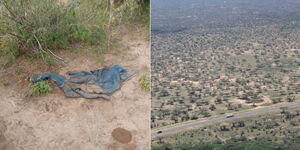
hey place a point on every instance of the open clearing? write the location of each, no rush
(52, 121)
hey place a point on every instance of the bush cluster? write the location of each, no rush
(35, 26)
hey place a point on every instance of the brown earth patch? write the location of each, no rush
(122, 135)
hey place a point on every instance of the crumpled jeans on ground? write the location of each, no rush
(88, 84)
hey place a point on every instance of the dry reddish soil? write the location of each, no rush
(52, 121)
(122, 135)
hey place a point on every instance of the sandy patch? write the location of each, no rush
(265, 99)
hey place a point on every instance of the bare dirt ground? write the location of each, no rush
(52, 121)
(266, 100)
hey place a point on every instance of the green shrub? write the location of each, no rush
(37, 24)
(92, 35)
(6, 83)
(144, 82)
(99, 21)
(46, 58)
(8, 51)
(142, 13)
(41, 87)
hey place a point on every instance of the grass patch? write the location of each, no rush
(6, 83)
(35, 24)
(46, 58)
(8, 51)
(144, 82)
(41, 87)
(91, 35)
(40, 27)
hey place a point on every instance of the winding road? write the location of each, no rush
(237, 115)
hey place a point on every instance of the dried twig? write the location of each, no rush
(41, 49)
(111, 6)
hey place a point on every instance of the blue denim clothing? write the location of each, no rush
(89, 84)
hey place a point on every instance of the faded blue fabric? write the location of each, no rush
(58, 79)
(108, 80)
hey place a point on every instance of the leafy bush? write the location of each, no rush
(8, 51)
(101, 19)
(144, 82)
(143, 13)
(93, 35)
(41, 87)
(36, 24)
(46, 58)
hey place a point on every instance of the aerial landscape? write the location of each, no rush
(225, 74)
